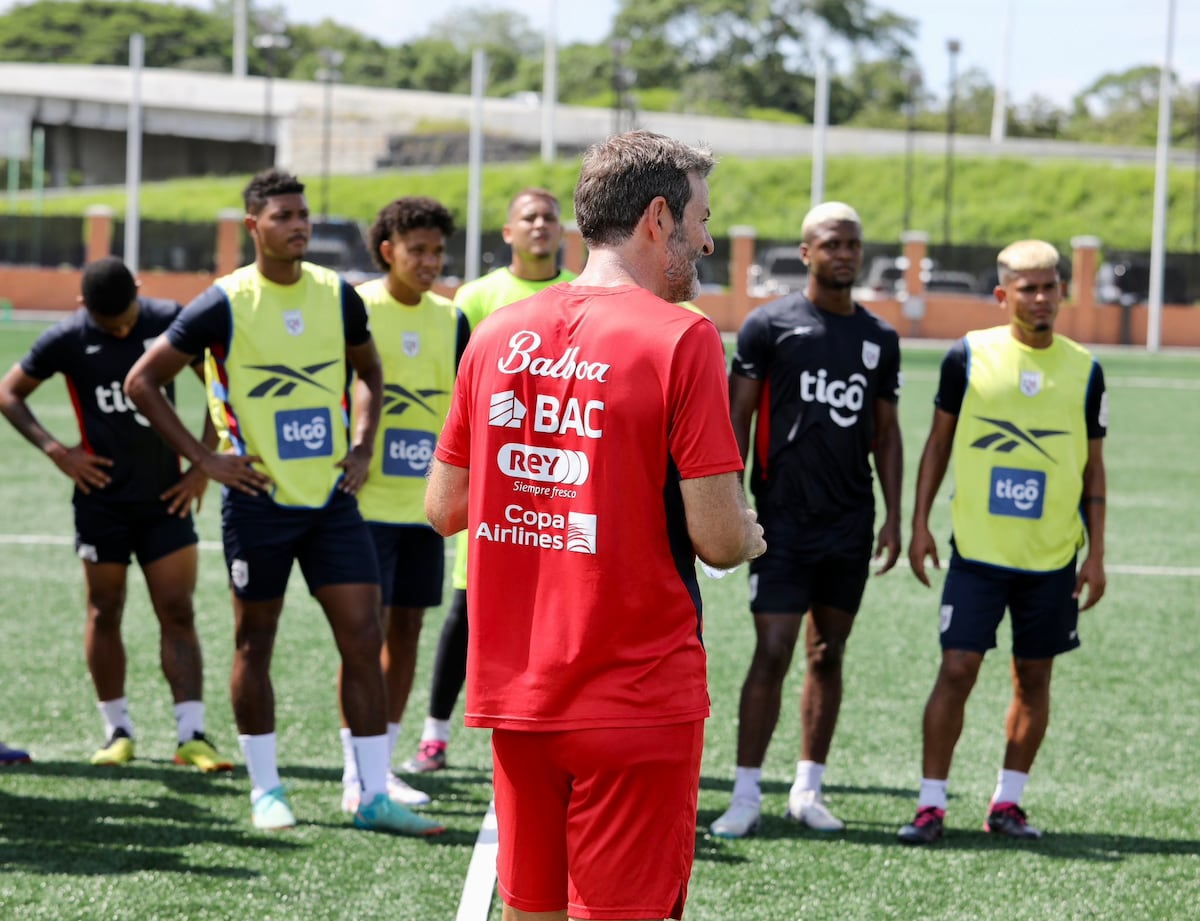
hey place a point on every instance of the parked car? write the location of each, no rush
(883, 279)
(1128, 280)
(779, 271)
(341, 245)
(948, 281)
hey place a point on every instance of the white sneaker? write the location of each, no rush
(739, 820)
(399, 793)
(808, 808)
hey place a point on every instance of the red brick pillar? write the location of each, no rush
(98, 232)
(1083, 316)
(575, 254)
(229, 240)
(741, 256)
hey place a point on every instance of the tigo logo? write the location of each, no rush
(505, 410)
(545, 465)
(304, 433)
(406, 453)
(1017, 493)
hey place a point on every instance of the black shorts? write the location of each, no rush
(114, 532)
(1045, 618)
(797, 571)
(262, 539)
(412, 564)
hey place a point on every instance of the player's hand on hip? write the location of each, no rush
(355, 466)
(237, 472)
(89, 471)
(1091, 574)
(920, 546)
(189, 488)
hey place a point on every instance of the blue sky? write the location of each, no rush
(1058, 47)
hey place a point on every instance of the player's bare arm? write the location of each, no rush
(368, 388)
(744, 396)
(1091, 573)
(889, 467)
(88, 471)
(446, 497)
(724, 530)
(935, 458)
(194, 482)
(160, 365)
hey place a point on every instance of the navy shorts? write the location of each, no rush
(332, 544)
(1045, 618)
(115, 532)
(807, 564)
(412, 564)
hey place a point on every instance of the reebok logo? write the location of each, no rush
(283, 380)
(1007, 437)
(397, 399)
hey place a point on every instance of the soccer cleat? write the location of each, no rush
(271, 811)
(13, 756)
(430, 756)
(926, 828)
(381, 814)
(201, 753)
(119, 750)
(738, 821)
(1009, 819)
(808, 808)
(399, 793)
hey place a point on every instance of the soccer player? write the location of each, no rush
(130, 500)
(588, 448)
(822, 375)
(534, 231)
(280, 338)
(1024, 413)
(421, 337)
(10, 756)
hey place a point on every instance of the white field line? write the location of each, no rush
(1123, 569)
(476, 901)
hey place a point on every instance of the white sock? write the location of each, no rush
(115, 714)
(372, 755)
(259, 752)
(393, 733)
(1010, 787)
(933, 793)
(435, 730)
(349, 762)
(189, 719)
(746, 784)
(808, 776)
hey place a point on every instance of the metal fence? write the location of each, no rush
(41, 240)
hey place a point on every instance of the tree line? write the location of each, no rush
(748, 58)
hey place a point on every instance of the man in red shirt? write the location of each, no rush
(588, 453)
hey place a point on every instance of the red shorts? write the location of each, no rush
(600, 822)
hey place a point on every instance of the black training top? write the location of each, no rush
(94, 364)
(822, 374)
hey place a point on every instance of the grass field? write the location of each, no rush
(1114, 787)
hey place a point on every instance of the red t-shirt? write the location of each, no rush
(578, 411)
